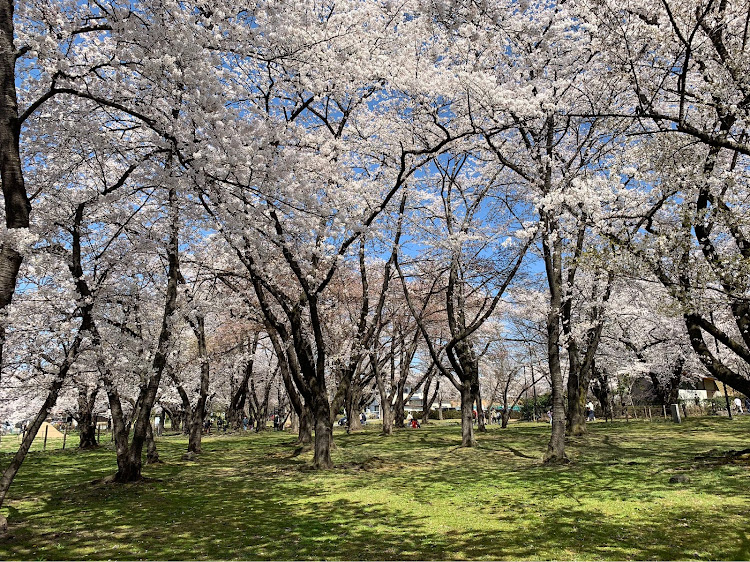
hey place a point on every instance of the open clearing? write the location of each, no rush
(413, 496)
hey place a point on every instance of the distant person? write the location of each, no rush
(245, 422)
(415, 423)
(157, 425)
(549, 416)
(363, 418)
(590, 409)
(738, 405)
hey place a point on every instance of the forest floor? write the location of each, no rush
(415, 495)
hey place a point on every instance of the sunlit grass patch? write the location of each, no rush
(415, 495)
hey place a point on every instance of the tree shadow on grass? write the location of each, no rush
(423, 498)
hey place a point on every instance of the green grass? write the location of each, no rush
(415, 495)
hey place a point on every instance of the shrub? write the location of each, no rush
(447, 414)
(543, 403)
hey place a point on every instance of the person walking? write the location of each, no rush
(738, 405)
(590, 408)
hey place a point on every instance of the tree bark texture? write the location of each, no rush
(17, 206)
(85, 417)
(129, 460)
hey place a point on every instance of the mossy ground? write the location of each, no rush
(415, 495)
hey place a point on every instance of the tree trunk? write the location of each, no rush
(399, 413)
(199, 411)
(427, 404)
(504, 417)
(323, 441)
(129, 464)
(576, 417)
(86, 431)
(152, 455)
(15, 464)
(236, 410)
(476, 391)
(293, 421)
(467, 416)
(175, 419)
(386, 414)
(305, 427)
(195, 433)
(552, 248)
(17, 206)
(353, 396)
(86, 419)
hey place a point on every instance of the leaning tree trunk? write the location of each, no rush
(130, 464)
(15, 464)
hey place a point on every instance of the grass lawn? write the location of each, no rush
(415, 495)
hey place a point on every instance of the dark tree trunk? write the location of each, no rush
(198, 414)
(17, 206)
(601, 390)
(15, 464)
(323, 440)
(195, 432)
(236, 410)
(481, 423)
(305, 427)
(504, 417)
(86, 431)
(85, 417)
(129, 462)
(352, 405)
(427, 403)
(399, 415)
(576, 417)
(175, 420)
(552, 248)
(259, 405)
